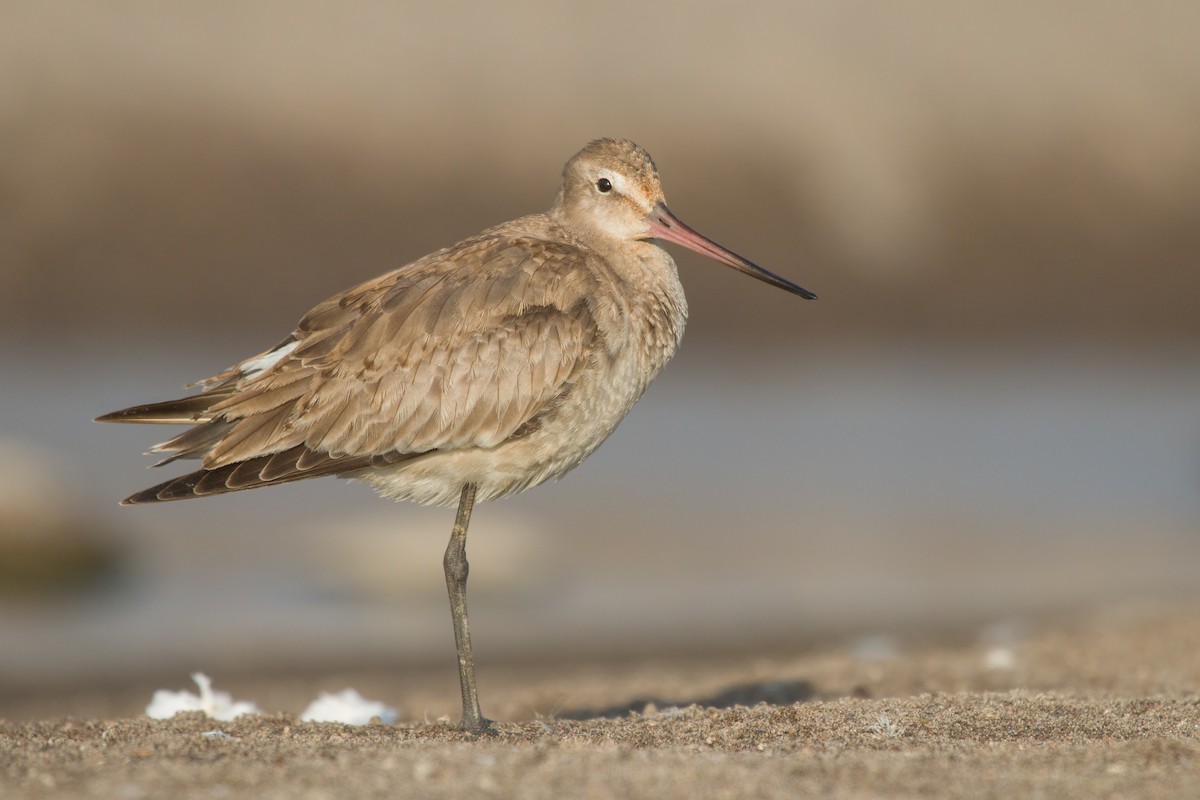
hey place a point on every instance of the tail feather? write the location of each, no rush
(295, 464)
(185, 411)
(204, 412)
(192, 443)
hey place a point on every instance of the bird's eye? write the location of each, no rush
(604, 185)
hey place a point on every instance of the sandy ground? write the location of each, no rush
(1102, 705)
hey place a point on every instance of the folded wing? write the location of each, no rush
(464, 348)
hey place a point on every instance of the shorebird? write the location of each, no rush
(480, 370)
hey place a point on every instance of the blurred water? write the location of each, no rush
(742, 500)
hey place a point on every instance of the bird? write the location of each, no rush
(480, 370)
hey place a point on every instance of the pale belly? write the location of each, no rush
(596, 404)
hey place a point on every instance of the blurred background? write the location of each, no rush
(991, 415)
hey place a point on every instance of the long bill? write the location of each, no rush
(668, 227)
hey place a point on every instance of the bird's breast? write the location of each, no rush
(637, 333)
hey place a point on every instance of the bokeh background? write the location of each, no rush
(991, 415)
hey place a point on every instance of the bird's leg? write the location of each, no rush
(456, 566)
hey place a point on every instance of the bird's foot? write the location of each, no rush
(478, 726)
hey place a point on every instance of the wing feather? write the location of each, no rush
(464, 348)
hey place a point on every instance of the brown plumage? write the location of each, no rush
(477, 371)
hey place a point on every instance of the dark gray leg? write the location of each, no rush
(456, 584)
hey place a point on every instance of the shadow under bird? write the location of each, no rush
(475, 372)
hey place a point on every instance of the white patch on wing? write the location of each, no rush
(253, 366)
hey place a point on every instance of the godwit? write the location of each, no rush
(477, 371)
